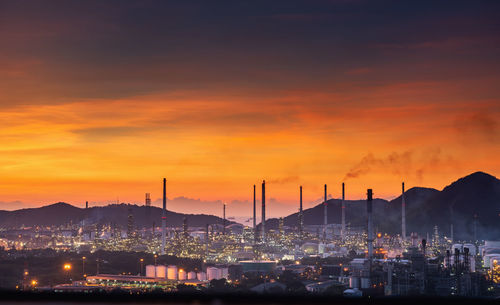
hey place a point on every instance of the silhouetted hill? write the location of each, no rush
(62, 214)
(476, 194)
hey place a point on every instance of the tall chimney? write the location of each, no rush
(301, 216)
(369, 203)
(325, 220)
(254, 218)
(475, 228)
(343, 211)
(263, 211)
(403, 213)
(164, 217)
(86, 204)
(224, 219)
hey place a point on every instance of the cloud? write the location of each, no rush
(13, 205)
(284, 180)
(480, 124)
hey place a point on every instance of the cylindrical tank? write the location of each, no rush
(457, 246)
(202, 276)
(161, 271)
(224, 273)
(182, 275)
(213, 273)
(150, 271)
(191, 275)
(365, 283)
(354, 282)
(172, 272)
(472, 249)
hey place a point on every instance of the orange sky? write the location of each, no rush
(216, 128)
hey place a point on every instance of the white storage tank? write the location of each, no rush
(161, 271)
(472, 249)
(224, 273)
(212, 273)
(354, 282)
(182, 275)
(172, 272)
(202, 276)
(150, 271)
(457, 246)
(191, 275)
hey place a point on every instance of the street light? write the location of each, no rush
(67, 267)
(155, 258)
(142, 262)
(83, 267)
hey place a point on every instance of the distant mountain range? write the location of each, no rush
(476, 195)
(62, 214)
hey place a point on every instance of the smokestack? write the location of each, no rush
(224, 219)
(403, 213)
(164, 217)
(263, 211)
(254, 218)
(475, 228)
(301, 216)
(370, 225)
(206, 241)
(451, 230)
(343, 211)
(86, 204)
(325, 220)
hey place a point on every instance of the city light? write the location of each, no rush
(67, 267)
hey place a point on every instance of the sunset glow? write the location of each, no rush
(104, 110)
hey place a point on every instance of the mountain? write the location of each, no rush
(476, 194)
(62, 213)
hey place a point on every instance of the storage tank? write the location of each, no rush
(213, 273)
(161, 271)
(354, 282)
(365, 283)
(202, 276)
(472, 249)
(457, 246)
(224, 273)
(172, 272)
(191, 275)
(182, 275)
(150, 271)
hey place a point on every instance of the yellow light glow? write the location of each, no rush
(67, 267)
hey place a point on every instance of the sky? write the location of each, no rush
(99, 100)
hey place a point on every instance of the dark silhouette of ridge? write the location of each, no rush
(476, 194)
(59, 214)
